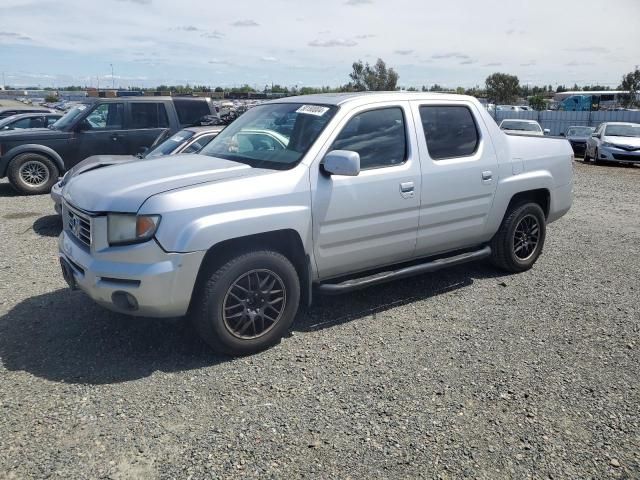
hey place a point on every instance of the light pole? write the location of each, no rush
(113, 80)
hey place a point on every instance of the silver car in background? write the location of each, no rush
(187, 140)
(614, 142)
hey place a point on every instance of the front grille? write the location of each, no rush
(626, 156)
(77, 224)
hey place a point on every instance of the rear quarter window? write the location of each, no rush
(191, 111)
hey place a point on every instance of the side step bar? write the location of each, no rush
(382, 277)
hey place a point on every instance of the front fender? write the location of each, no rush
(29, 148)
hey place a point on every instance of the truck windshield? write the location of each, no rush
(69, 117)
(523, 126)
(275, 135)
(622, 131)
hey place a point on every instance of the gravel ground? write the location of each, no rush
(461, 373)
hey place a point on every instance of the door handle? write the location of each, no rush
(487, 175)
(407, 190)
(115, 137)
(407, 187)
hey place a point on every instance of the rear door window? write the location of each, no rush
(148, 115)
(190, 111)
(450, 131)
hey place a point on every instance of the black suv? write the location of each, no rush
(34, 159)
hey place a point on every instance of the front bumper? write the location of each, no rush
(161, 283)
(56, 196)
(614, 154)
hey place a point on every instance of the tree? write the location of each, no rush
(219, 89)
(377, 77)
(561, 88)
(631, 83)
(537, 102)
(502, 87)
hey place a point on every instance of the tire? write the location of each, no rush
(250, 325)
(32, 173)
(507, 250)
(595, 157)
(586, 158)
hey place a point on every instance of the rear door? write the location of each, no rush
(147, 120)
(459, 175)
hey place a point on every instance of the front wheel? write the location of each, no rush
(519, 241)
(586, 157)
(32, 173)
(247, 304)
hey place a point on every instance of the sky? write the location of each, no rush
(314, 42)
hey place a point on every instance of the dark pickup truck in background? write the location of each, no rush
(34, 159)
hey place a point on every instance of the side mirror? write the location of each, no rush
(595, 135)
(342, 162)
(546, 131)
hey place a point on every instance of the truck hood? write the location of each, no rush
(28, 135)
(125, 187)
(97, 161)
(623, 141)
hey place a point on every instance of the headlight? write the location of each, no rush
(126, 228)
(607, 144)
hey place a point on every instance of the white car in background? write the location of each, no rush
(614, 142)
(522, 127)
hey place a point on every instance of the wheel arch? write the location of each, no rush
(541, 196)
(30, 148)
(284, 241)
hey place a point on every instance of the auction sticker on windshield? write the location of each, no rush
(316, 110)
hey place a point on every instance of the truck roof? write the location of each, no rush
(138, 98)
(345, 97)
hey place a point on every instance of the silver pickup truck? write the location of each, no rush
(321, 193)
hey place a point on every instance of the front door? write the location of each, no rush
(102, 132)
(371, 219)
(459, 176)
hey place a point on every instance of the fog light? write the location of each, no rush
(124, 300)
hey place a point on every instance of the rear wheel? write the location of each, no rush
(32, 173)
(519, 241)
(247, 304)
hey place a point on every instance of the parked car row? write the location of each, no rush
(34, 159)
(610, 142)
(188, 140)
